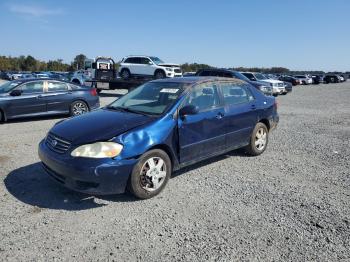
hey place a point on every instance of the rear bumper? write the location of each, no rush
(92, 176)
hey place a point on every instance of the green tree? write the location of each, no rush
(78, 62)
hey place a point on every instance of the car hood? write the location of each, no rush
(99, 125)
(258, 83)
(169, 65)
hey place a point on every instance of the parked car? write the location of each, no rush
(317, 79)
(305, 80)
(80, 77)
(161, 126)
(262, 86)
(331, 78)
(277, 85)
(33, 97)
(4, 76)
(294, 81)
(15, 76)
(288, 87)
(147, 66)
(42, 75)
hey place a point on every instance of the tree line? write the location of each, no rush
(29, 63)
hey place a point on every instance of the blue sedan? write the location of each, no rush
(136, 142)
(38, 97)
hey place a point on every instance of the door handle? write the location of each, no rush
(253, 107)
(40, 96)
(219, 115)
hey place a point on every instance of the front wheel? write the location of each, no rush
(258, 140)
(150, 174)
(159, 74)
(78, 108)
(125, 74)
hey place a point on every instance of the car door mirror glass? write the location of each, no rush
(189, 110)
(16, 92)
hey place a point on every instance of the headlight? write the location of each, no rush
(168, 69)
(98, 150)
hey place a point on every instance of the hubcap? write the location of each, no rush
(125, 74)
(79, 109)
(153, 173)
(260, 139)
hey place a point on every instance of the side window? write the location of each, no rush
(205, 96)
(32, 87)
(236, 94)
(145, 61)
(56, 86)
(128, 60)
(250, 76)
(204, 73)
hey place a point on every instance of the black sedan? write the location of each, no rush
(34, 97)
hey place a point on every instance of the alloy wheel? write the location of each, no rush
(260, 139)
(153, 173)
(79, 108)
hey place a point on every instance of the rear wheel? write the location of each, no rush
(98, 90)
(159, 74)
(78, 108)
(258, 140)
(150, 174)
(125, 73)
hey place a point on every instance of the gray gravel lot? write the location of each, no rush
(291, 203)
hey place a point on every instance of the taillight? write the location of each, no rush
(93, 92)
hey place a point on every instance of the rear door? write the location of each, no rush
(202, 134)
(240, 113)
(30, 102)
(57, 96)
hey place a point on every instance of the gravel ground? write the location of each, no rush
(291, 203)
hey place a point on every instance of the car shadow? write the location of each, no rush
(237, 152)
(31, 185)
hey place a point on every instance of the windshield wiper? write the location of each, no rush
(127, 109)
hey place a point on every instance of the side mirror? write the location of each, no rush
(16, 92)
(188, 110)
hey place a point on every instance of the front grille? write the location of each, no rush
(57, 144)
(178, 71)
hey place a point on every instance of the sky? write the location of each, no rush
(298, 34)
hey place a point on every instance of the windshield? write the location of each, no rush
(151, 98)
(8, 86)
(260, 77)
(156, 60)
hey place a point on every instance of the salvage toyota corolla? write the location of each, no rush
(136, 142)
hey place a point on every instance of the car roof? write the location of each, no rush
(191, 80)
(25, 80)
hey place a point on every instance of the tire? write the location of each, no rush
(125, 73)
(78, 108)
(159, 74)
(98, 90)
(253, 149)
(141, 181)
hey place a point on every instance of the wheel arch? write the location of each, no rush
(266, 122)
(169, 152)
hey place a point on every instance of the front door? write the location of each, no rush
(202, 134)
(30, 102)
